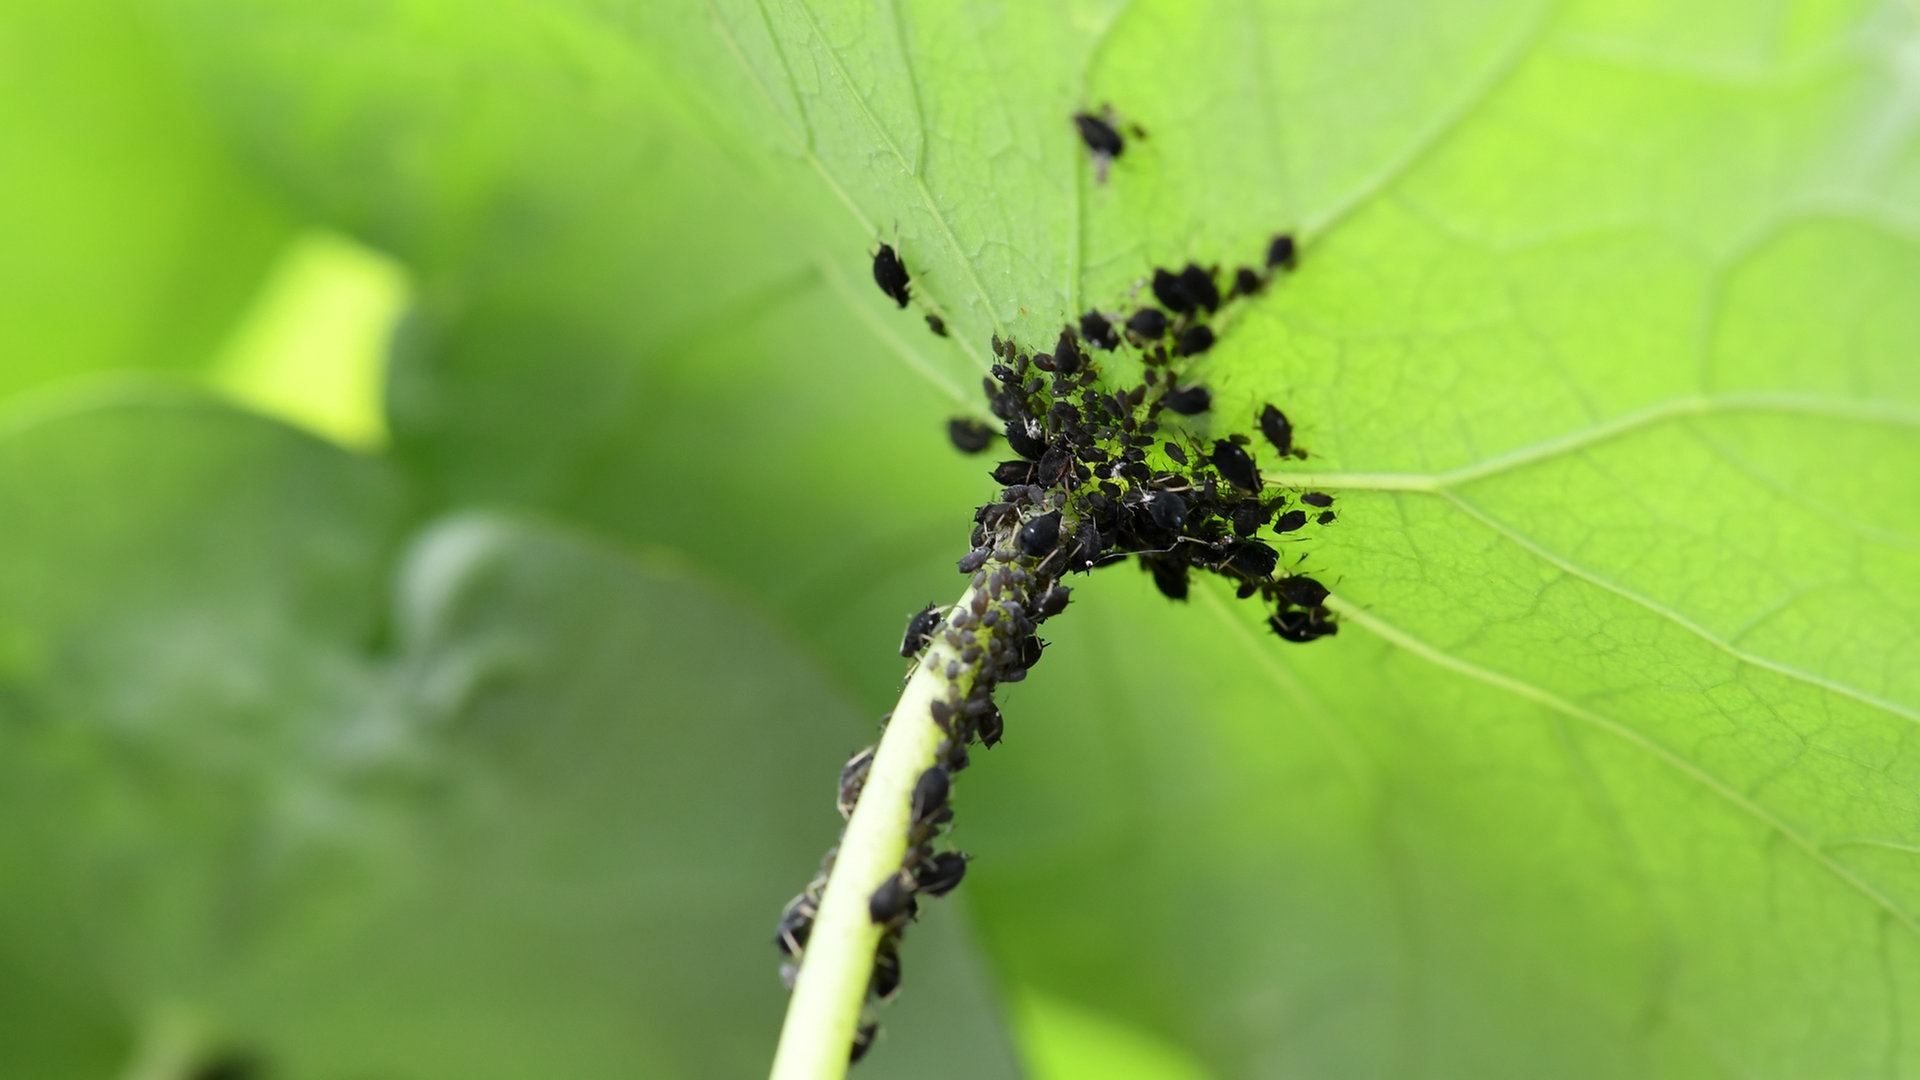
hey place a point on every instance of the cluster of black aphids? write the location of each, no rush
(1098, 480)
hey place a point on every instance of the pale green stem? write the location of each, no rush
(838, 962)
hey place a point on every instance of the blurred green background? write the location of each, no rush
(460, 494)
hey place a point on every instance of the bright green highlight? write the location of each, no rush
(312, 349)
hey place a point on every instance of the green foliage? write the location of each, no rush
(1604, 336)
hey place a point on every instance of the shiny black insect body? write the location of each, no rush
(1041, 535)
(863, 1041)
(1098, 331)
(890, 274)
(940, 875)
(1099, 135)
(920, 630)
(938, 325)
(930, 793)
(892, 903)
(1282, 252)
(1235, 465)
(1317, 498)
(1278, 430)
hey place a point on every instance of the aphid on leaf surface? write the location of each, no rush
(1066, 354)
(1249, 516)
(1174, 451)
(1098, 331)
(1278, 430)
(1302, 591)
(1195, 340)
(1317, 498)
(1150, 324)
(1168, 509)
(1252, 558)
(1289, 521)
(942, 874)
(1188, 400)
(1027, 437)
(1246, 282)
(1282, 252)
(969, 436)
(1326, 517)
(1302, 626)
(1171, 290)
(863, 1041)
(919, 630)
(890, 274)
(1099, 135)
(1198, 285)
(937, 325)
(1234, 465)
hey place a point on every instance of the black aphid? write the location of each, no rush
(1099, 135)
(930, 793)
(1317, 498)
(1013, 472)
(1278, 430)
(974, 560)
(1248, 517)
(886, 969)
(890, 274)
(1195, 340)
(863, 1041)
(1098, 331)
(1326, 517)
(938, 325)
(1302, 591)
(1252, 559)
(1188, 400)
(1290, 521)
(969, 436)
(1041, 535)
(1051, 603)
(1054, 464)
(1235, 466)
(1197, 283)
(853, 779)
(1171, 290)
(939, 876)
(1066, 354)
(1303, 626)
(1027, 437)
(893, 901)
(796, 924)
(1174, 451)
(1246, 282)
(991, 727)
(1168, 509)
(919, 630)
(1282, 252)
(1150, 324)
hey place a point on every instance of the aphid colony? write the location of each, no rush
(1102, 475)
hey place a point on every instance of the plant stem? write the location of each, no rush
(824, 1011)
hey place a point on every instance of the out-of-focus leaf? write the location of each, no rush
(129, 235)
(515, 828)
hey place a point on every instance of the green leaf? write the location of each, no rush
(516, 831)
(129, 235)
